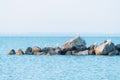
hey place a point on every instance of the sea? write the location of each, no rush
(55, 67)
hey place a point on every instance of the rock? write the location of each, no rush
(57, 51)
(115, 52)
(76, 43)
(44, 50)
(48, 50)
(20, 52)
(104, 48)
(63, 52)
(92, 49)
(117, 47)
(81, 53)
(91, 52)
(51, 51)
(40, 53)
(74, 52)
(68, 53)
(12, 52)
(36, 50)
(28, 51)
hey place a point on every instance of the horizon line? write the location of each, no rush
(58, 34)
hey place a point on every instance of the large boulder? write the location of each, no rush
(115, 52)
(86, 52)
(12, 52)
(19, 52)
(29, 51)
(36, 50)
(77, 43)
(104, 48)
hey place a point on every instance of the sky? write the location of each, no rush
(60, 16)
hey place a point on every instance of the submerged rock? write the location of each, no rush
(36, 50)
(20, 52)
(76, 43)
(104, 48)
(12, 52)
(28, 51)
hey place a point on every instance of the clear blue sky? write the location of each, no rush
(60, 16)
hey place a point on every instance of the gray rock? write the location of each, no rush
(68, 53)
(36, 50)
(28, 51)
(12, 52)
(45, 50)
(104, 48)
(51, 51)
(19, 52)
(57, 51)
(117, 47)
(48, 50)
(86, 52)
(76, 43)
(115, 52)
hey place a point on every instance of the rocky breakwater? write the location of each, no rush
(75, 46)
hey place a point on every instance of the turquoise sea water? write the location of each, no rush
(33, 67)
